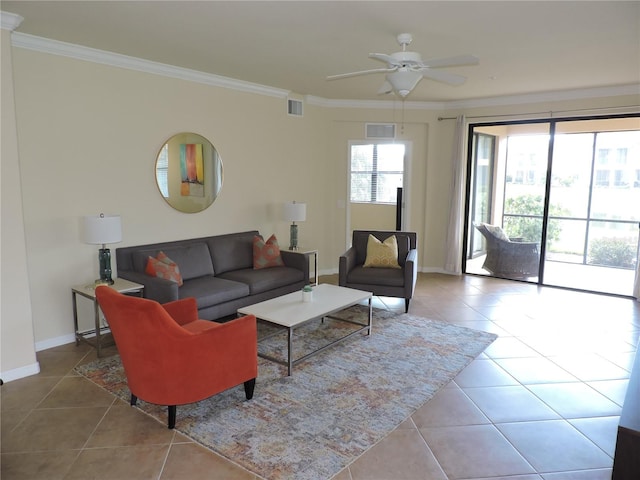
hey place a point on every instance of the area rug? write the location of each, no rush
(334, 407)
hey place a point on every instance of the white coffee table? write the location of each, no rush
(289, 311)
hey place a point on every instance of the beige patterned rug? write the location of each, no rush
(334, 407)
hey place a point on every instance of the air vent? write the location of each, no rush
(294, 107)
(380, 130)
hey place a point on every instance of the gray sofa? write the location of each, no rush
(217, 271)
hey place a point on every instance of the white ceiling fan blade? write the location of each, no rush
(446, 77)
(363, 72)
(451, 61)
(385, 88)
(383, 57)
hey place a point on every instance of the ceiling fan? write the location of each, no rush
(405, 69)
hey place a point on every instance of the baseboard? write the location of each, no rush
(434, 270)
(18, 373)
(34, 368)
(334, 271)
(55, 342)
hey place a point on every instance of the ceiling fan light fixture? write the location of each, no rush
(405, 69)
(403, 81)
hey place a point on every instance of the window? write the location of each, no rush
(377, 171)
(621, 156)
(602, 178)
(603, 156)
(162, 170)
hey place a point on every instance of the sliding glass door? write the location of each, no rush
(524, 200)
(483, 157)
(565, 193)
(507, 230)
(595, 207)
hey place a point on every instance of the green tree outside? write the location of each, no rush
(529, 228)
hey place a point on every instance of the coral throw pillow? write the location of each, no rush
(163, 267)
(266, 254)
(382, 254)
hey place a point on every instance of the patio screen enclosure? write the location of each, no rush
(568, 188)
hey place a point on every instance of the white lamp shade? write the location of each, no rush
(295, 212)
(102, 229)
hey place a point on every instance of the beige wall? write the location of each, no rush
(88, 135)
(17, 352)
(366, 216)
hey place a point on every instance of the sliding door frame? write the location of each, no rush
(473, 172)
(552, 122)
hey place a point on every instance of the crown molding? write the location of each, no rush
(10, 21)
(54, 47)
(372, 104)
(556, 96)
(45, 45)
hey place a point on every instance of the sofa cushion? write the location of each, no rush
(382, 254)
(232, 252)
(265, 279)
(496, 231)
(163, 267)
(266, 254)
(390, 277)
(210, 290)
(194, 260)
(200, 326)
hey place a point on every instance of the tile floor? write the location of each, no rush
(542, 402)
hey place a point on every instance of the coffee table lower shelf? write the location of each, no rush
(290, 312)
(291, 362)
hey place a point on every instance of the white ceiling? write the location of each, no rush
(524, 46)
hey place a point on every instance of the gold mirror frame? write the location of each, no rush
(189, 172)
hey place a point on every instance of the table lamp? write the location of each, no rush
(294, 212)
(101, 230)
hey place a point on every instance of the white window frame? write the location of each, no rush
(406, 194)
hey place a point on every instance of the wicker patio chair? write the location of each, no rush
(507, 258)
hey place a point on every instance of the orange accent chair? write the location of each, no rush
(171, 357)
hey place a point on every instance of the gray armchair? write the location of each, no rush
(507, 258)
(385, 282)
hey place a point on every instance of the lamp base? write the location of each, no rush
(100, 281)
(293, 237)
(104, 259)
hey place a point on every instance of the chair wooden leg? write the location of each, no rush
(134, 400)
(249, 385)
(406, 305)
(172, 416)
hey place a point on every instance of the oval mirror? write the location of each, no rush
(189, 172)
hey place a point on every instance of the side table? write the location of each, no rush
(88, 291)
(307, 253)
